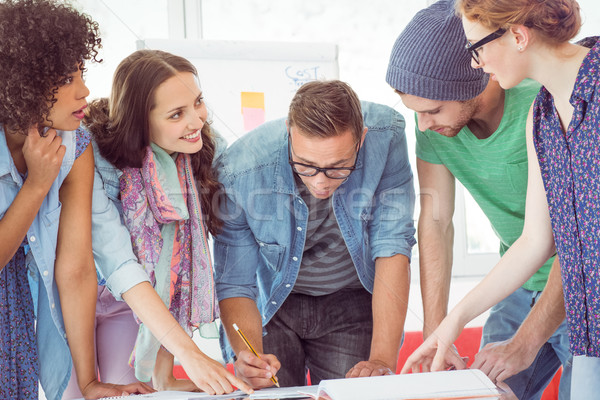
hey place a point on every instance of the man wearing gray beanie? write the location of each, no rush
(470, 129)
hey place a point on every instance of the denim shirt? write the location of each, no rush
(259, 252)
(116, 264)
(42, 235)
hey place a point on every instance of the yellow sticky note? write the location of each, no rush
(253, 100)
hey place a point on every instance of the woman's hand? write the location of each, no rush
(211, 377)
(43, 156)
(437, 350)
(97, 390)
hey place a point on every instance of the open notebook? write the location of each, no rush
(463, 384)
(451, 385)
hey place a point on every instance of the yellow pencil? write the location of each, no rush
(239, 331)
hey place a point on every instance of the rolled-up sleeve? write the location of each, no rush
(392, 229)
(111, 245)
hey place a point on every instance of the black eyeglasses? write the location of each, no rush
(472, 47)
(311, 170)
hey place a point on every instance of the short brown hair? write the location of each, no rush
(557, 21)
(120, 125)
(325, 109)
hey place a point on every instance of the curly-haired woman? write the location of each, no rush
(46, 175)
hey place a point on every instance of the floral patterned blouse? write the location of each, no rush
(570, 167)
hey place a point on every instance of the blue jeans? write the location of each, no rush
(585, 384)
(326, 334)
(504, 320)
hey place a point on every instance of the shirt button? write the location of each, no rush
(45, 273)
(295, 258)
(274, 302)
(299, 228)
(262, 244)
(52, 305)
(32, 239)
(300, 201)
(288, 285)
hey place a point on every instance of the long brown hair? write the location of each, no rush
(120, 125)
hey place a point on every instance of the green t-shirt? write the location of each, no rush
(494, 170)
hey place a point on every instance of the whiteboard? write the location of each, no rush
(245, 83)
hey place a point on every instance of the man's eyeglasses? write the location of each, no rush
(311, 170)
(472, 47)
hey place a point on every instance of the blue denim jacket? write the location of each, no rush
(53, 350)
(259, 252)
(116, 264)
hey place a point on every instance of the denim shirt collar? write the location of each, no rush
(283, 176)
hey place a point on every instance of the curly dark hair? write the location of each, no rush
(42, 42)
(120, 125)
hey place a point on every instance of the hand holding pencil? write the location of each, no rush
(247, 364)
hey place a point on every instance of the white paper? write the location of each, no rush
(463, 384)
(178, 395)
(164, 395)
(293, 392)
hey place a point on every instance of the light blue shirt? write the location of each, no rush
(259, 252)
(116, 264)
(53, 350)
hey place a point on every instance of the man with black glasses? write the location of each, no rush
(470, 129)
(313, 260)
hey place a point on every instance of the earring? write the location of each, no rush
(520, 48)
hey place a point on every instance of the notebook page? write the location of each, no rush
(463, 384)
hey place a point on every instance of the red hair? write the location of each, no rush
(557, 21)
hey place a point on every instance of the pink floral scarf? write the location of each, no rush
(162, 211)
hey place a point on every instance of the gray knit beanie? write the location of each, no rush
(429, 58)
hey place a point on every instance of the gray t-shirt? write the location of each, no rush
(326, 263)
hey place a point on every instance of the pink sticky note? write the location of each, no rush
(253, 117)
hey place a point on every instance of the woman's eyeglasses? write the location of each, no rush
(472, 47)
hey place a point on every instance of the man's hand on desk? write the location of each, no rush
(257, 371)
(369, 368)
(501, 360)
